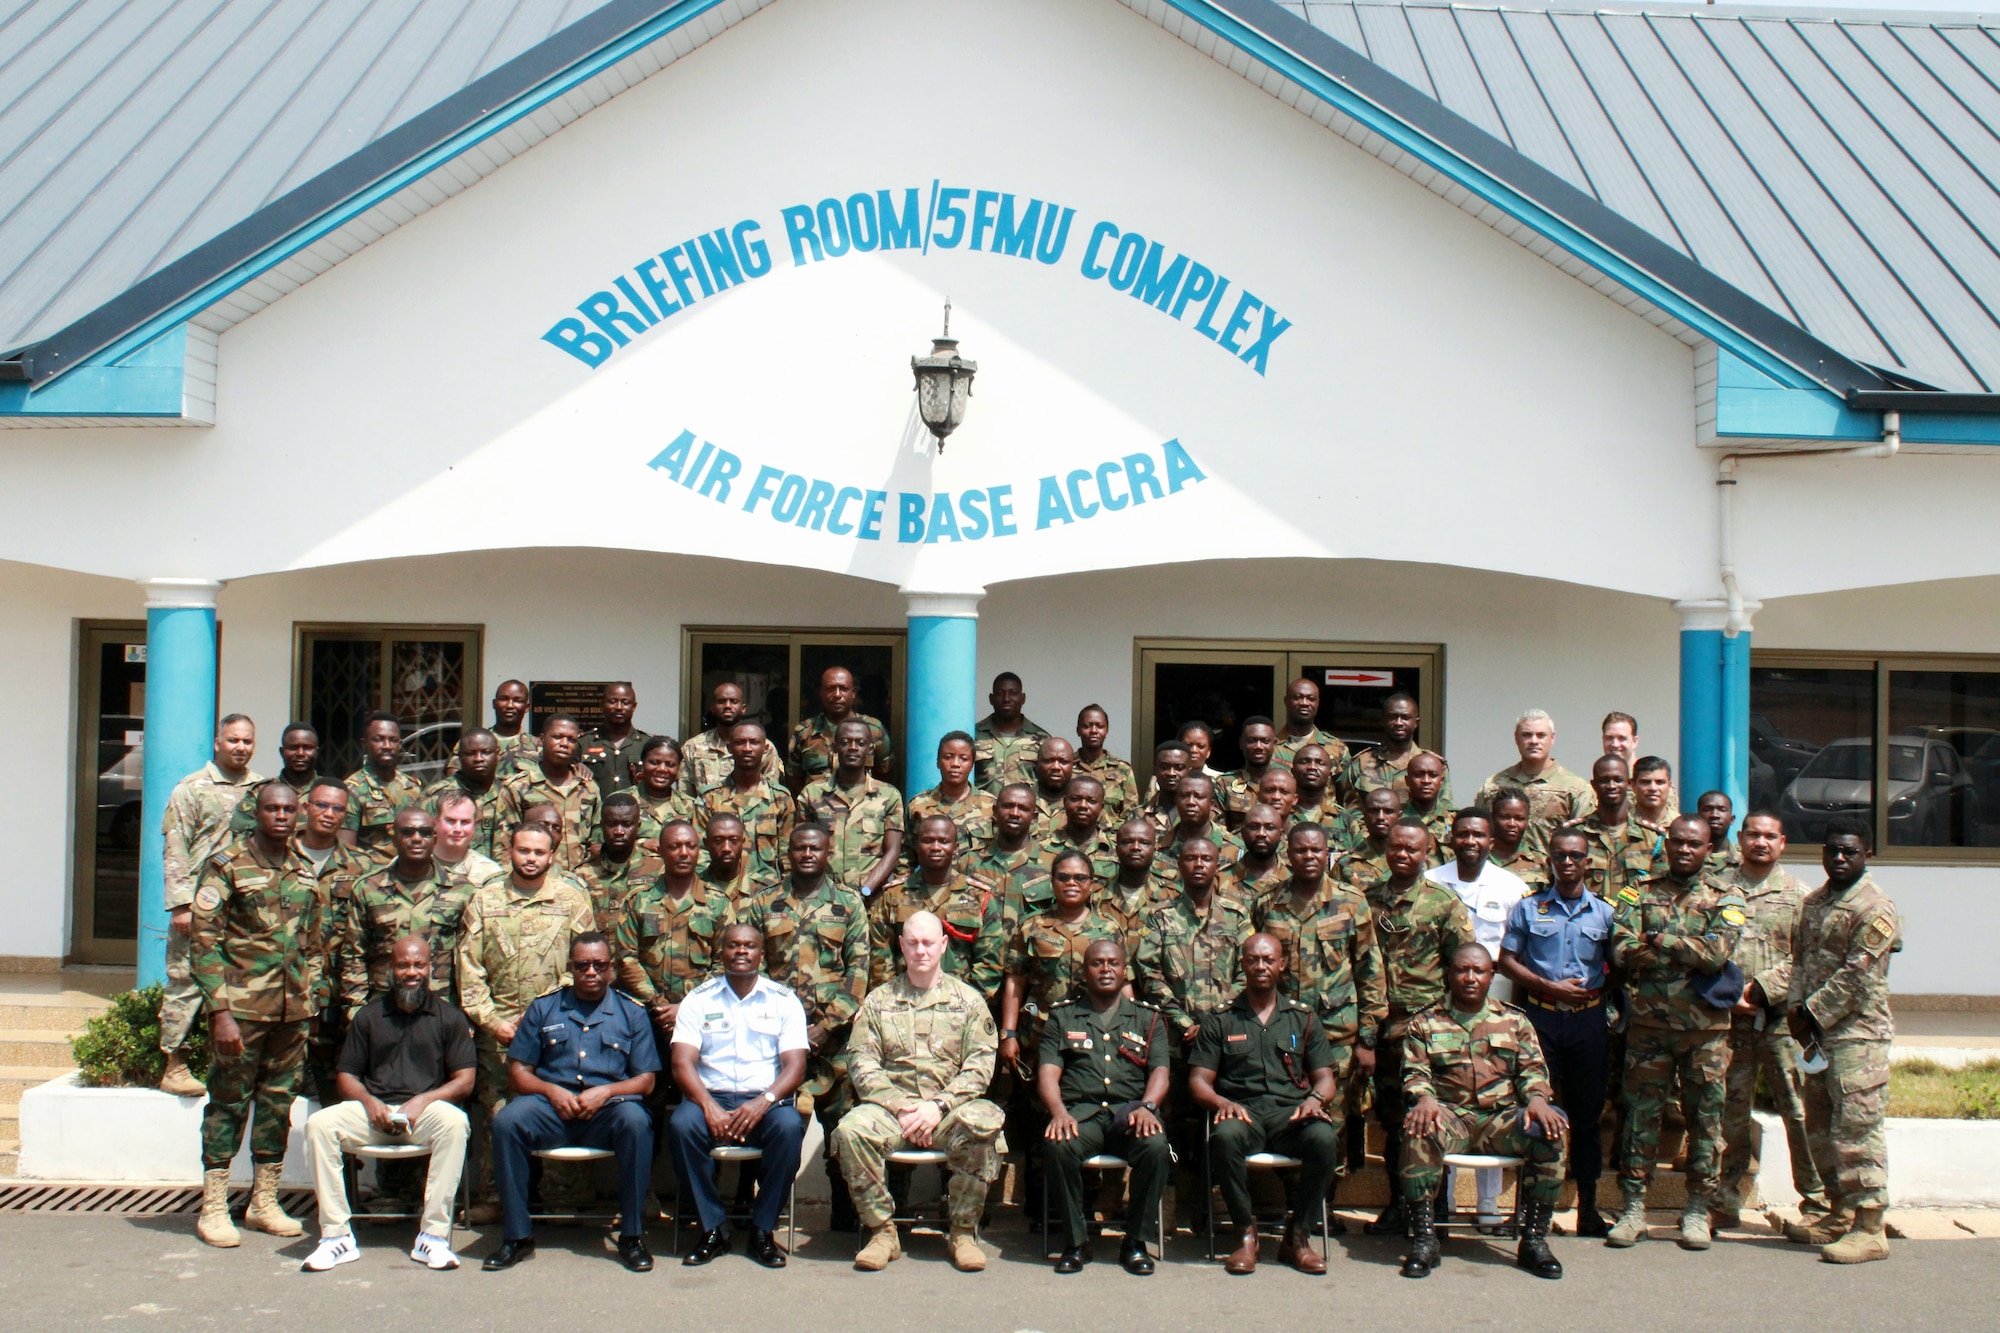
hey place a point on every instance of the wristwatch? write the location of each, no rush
(1005, 1033)
(1151, 1108)
(1366, 1043)
(943, 1106)
(769, 1098)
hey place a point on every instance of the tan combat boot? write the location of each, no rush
(214, 1226)
(1868, 1239)
(264, 1214)
(966, 1256)
(1630, 1228)
(1824, 1230)
(178, 1080)
(882, 1247)
(1695, 1231)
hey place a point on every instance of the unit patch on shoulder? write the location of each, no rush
(208, 898)
(1628, 894)
(1878, 934)
(1732, 916)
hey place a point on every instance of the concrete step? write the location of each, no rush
(36, 1046)
(10, 1159)
(70, 1014)
(17, 1079)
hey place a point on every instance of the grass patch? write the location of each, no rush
(1929, 1091)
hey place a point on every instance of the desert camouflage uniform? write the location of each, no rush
(1483, 1069)
(999, 759)
(577, 801)
(197, 826)
(859, 819)
(969, 907)
(1841, 978)
(1557, 796)
(1674, 1035)
(908, 1046)
(513, 948)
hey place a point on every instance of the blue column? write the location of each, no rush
(1701, 699)
(943, 679)
(1734, 742)
(179, 732)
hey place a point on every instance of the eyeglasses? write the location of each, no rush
(1072, 878)
(1569, 856)
(591, 965)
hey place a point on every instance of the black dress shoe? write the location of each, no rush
(632, 1252)
(764, 1248)
(1073, 1259)
(511, 1252)
(1132, 1257)
(711, 1245)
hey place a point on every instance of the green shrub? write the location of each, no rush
(121, 1046)
(1927, 1090)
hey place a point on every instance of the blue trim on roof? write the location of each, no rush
(148, 381)
(1751, 406)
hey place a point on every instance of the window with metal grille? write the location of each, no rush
(422, 675)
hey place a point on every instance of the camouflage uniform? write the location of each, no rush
(811, 752)
(1622, 852)
(371, 809)
(1363, 868)
(1325, 812)
(1236, 791)
(1248, 886)
(1099, 847)
(577, 801)
(243, 819)
(338, 876)
(1333, 964)
(611, 884)
(1151, 800)
(523, 744)
(1021, 881)
(1417, 930)
(972, 816)
(706, 762)
(817, 944)
(380, 909)
(1048, 810)
(1723, 859)
(1557, 796)
(1673, 1034)
(769, 815)
(471, 870)
(513, 948)
(490, 834)
(1167, 860)
(1765, 951)
(1289, 746)
(1483, 1069)
(909, 1046)
(610, 764)
(1162, 820)
(859, 819)
(197, 826)
(999, 759)
(654, 816)
(1190, 963)
(1528, 864)
(1047, 954)
(1371, 770)
(970, 909)
(1132, 911)
(1438, 821)
(740, 887)
(257, 948)
(665, 945)
(1121, 786)
(1841, 977)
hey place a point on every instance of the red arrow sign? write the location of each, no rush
(1367, 679)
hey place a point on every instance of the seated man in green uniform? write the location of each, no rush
(1475, 1082)
(1103, 1075)
(1262, 1068)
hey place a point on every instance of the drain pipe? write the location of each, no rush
(1725, 493)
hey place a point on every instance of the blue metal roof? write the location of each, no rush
(1840, 167)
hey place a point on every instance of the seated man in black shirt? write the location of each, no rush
(1263, 1069)
(409, 1060)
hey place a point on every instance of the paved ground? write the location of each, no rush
(75, 1272)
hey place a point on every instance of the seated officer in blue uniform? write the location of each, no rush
(1557, 950)
(580, 1066)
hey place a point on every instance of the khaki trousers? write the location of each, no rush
(337, 1129)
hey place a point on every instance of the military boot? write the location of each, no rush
(883, 1245)
(1533, 1252)
(1727, 1210)
(1424, 1253)
(213, 1226)
(1695, 1233)
(1823, 1230)
(264, 1213)
(1393, 1220)
(179, 1080)
(1867, 1239)
(966, 1256)
(1630, 1228)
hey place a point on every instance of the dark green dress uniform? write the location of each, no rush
(1267, 1069)
(610, 762)
(1106, 1059)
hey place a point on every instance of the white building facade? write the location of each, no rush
(612, 383)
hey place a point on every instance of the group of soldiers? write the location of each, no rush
(1306, 873)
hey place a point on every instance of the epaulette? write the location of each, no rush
(1510, 1007)
(635, 1004)
(1291, 1003)
(1153, 1008)
(220, 860)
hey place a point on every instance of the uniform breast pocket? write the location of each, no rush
(1595, 931)
(1048, 947)
(766, 1025)
(1548, 928)
(1493, 911)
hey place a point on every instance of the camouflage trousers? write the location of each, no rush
(1654, 1059)
(969, 1137)
(1499, 1133)
(181, 1004)
(257, 1086)
(1777, 1055)
(489, 1095)
(1845, 1106)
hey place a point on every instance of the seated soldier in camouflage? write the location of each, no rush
(1473, 1075)
(920, 1055)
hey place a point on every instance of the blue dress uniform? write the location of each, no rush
(1560, 939)
(576, 1046)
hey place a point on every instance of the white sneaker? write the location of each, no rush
(433, 1252)
(332, 1251)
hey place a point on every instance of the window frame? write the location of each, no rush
(305, 632)
(1884, 665)
(795, 639)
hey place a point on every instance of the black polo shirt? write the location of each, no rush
(397, 1055)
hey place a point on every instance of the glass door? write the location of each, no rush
(421, 674)
(110, 760)
(778, 671)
